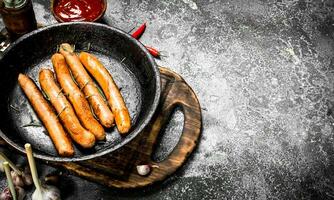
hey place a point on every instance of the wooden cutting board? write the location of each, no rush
(118, 169)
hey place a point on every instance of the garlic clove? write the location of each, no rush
(48, 193)
(17, 179)
(143, 170)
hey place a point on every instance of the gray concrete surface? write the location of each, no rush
(264, 75)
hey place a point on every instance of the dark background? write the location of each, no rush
(264, 74)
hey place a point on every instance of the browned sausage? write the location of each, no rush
(85, 82)
(46, 114)
(64, 109)
(76, 97)
(110, 89)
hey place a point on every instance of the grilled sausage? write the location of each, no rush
(76, 97)
(110, 89)
(85, 82)
(46, 114)
(64, 109)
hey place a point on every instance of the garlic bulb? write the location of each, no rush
(42, 192)
(9, 180)
(22, 180)
(47, 192)
(12, 192)
(19, 178)
(6, 195)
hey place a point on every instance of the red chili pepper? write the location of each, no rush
(155, 53)
(139, 31)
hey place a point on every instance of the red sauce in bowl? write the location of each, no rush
(78, 10)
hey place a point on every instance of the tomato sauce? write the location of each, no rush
(78, 10)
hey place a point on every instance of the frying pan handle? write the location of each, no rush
(179, 94)
(4, 44)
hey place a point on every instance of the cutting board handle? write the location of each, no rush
(177, 93)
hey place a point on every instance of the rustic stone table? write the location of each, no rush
(264, 75)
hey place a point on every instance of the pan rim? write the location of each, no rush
(134, 133)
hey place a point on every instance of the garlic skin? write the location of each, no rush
(143, 170)
(6, 195)
(47, 192)
(17, 179)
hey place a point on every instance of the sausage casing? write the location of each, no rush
(65, 111)
(76, 97)
(48, 117)
(85, 82)
(110, 89)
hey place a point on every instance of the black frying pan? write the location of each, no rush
(132, 67)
